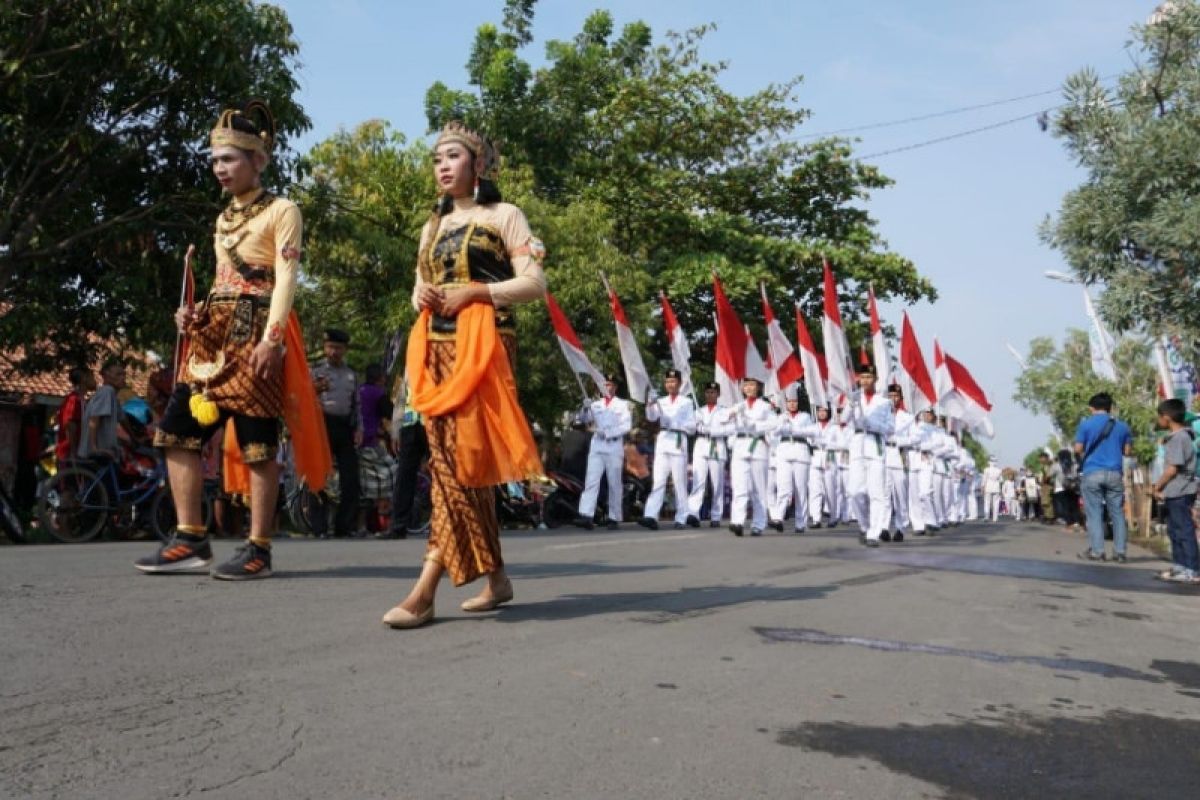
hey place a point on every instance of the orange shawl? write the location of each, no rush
(493, 443)
(301, 413)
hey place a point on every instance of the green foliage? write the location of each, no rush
(105, 109)
(1133, 224)
(1058, 382)
(979, 453)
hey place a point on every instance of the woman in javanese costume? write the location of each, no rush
(477, 260)
(244, 366)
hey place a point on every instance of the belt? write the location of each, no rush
(713, 437)
(800, 439)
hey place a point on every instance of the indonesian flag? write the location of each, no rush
(759, 368)
(732, 344)
(883, 359)
(942, 384)
(971, 404)
(572, 348)
(681, 355)
(787, 368)
(814, 379)
(837, 349)
(636, 376)
(913, 375)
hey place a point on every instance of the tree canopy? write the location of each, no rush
(1133, 225)
(104, 113)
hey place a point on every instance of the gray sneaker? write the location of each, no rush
(1088, 555)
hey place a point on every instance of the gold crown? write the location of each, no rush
(225, 135)
(477, 143)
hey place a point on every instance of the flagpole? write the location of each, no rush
(180, 339)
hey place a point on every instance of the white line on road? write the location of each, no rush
(610, 542)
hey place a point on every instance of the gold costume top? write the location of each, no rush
(251, 240)
(489, 244)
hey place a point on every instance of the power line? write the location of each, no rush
(958, 135)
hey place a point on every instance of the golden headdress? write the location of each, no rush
(477, 143)
(225, 135)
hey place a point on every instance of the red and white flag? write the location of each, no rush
(942, 385)
(786, 366)
(814, 379)
(681, 354)
(913, 374)
(572, 348)
(970, 404)
(840, 380)
(732, 344)
(759, 368)
(636, 377)
(879, 348)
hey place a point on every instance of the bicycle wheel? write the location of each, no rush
(302, 508)
(559, 508)
(9, 519)
(163, 518)
(74, 507)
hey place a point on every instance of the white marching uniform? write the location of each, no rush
(793, 458)
(822, 460)
(714, 426)
(992, 478)
(899, 447)
(923, 509)
(611, 420)
(753, 421)
(841, 475)
(676, 417)
(946, 452)
(867, 481)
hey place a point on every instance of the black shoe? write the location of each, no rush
(885, 536)
(932, 530)
(716, 523)
(815, 526)
(1120, 558)
(249, 562)
(899, 537)
(871, 542)
(392, 535)
(181, 554)
(777, 524)
(737, 529)
(693, 521)
(612, 525)
(648, 522)
(584, 522)
(918, 533)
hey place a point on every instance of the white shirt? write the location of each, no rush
(873, 423)
(904, 435)
(802, 430)
(755, 419)
(991, 479)
(714, 425)
(676, 417)
(611, 420)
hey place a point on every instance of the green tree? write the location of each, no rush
(1058, 382)
(1133, 225)
(104, 113)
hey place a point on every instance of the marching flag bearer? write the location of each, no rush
(611, 420)
(899, 447)
(871, 418)
(753, 419)
(714, 426)
(676, 418)
(793, 460)
(818, 487)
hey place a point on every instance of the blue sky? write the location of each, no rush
(965, 211)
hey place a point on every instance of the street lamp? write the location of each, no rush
(1063, 277)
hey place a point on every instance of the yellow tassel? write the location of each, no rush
(204, 410)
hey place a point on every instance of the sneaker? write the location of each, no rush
(680, 526)
(583, 522)
(756, 531)
(181, 554)
(648, 522)
(249, 562)
(1088, 555)
(1169, 574)
(777, 524)
(871, 542)
(716, 523)
(1183, 576)
(1120, 558)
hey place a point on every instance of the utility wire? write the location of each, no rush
(958, 135)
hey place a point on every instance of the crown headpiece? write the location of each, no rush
(477, 143)
(225, 135)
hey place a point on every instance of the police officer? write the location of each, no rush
(676, 418)
(337, 388)
(714, 426)
(610, 420)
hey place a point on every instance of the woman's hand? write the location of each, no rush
(430, 297)
(184, 317)
(267, 361)
(456, 299)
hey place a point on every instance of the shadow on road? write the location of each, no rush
(522, 571)
(1017, 755)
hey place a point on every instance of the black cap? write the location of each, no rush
(612, 377)
(895, 387)
(868, 369)
(674, 373)
(747, 379)
(716, 387)
(337, 336)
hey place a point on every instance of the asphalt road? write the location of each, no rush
(986, 662)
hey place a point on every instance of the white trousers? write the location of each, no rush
(816, 491)
(749, 477)
(937, 495)
(791, 483)
(898, 486)
(991, 505)
(841, 479)
(704, 471)
(867, 488)
(673, 466)
(603, 465)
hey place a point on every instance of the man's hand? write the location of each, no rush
(267, 361)
(184, 317)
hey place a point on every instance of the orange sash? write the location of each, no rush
(301, 413)
(493, 443)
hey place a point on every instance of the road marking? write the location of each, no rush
(640, 540)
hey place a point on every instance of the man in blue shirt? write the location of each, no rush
(1101, 441)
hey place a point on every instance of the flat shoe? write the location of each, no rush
(488, 603)
(401, 618)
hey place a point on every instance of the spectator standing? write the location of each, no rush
(337, 388)
(412, 449)
(70, 415)
(1176, 488)
(992, 481)
(1102, 441)
(102, 415)
(1033, 497)
(377, 470)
